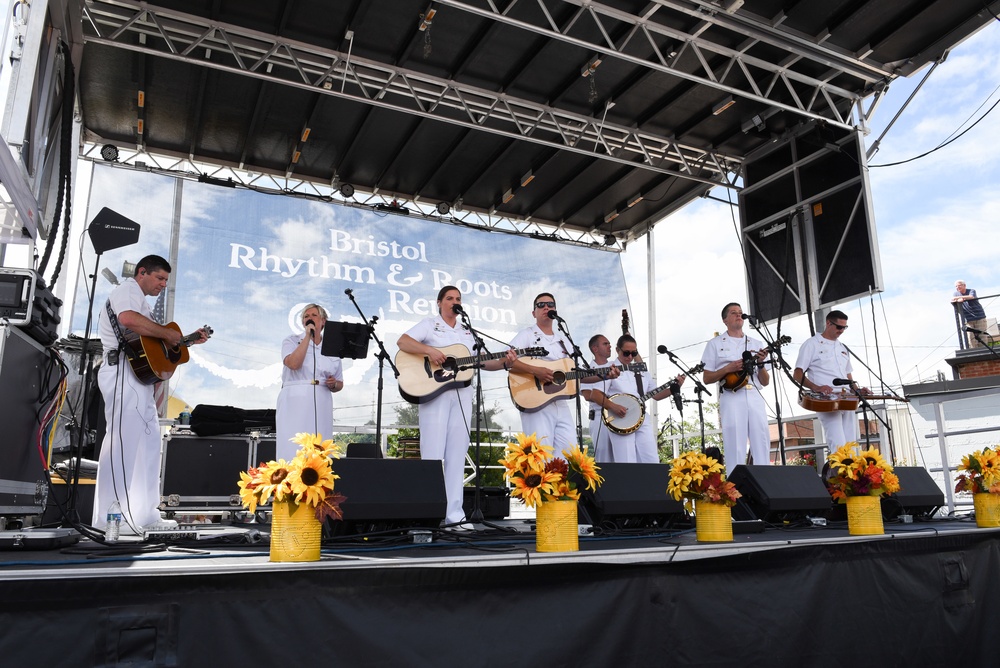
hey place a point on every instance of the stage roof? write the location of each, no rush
(598, 118)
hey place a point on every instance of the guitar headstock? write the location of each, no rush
(208, 331)
(536, 351)
(636, 366)
(697, 368)
(782, 340)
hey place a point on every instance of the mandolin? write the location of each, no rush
(737, 380)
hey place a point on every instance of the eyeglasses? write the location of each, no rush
(544, 304)
(630, 353)
(840, 328)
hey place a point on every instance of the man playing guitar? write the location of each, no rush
(129, 464)
(742, 411)
(822, 360)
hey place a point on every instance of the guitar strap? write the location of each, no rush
(638, 383)
(119, 334)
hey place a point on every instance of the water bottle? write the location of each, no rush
(114, 522)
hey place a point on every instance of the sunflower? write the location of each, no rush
(274, 480)
(249, 482)
(584, 464)
(315, 442)
(565, 490)
(311, 477)
(531, 487)
(528, 454)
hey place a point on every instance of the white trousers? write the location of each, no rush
(599, 437)
(553, 424)
(444, 435)
(839, 426)
(129, 464)
(744, 418)
(302, 407)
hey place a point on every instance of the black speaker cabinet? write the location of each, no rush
(494, 502)
(779, 493)
(918, 494)
(395, 492)
(632, 496)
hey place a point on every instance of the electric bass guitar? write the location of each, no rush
(530, 395)
(420, 380)
(636, 406)
(152, 360)
(737, 380)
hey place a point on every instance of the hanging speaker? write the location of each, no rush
(779, 493)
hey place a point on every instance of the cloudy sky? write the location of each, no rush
(937, 218)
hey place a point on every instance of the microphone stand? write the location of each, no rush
(478, 349)
(865, 404)
(699, 388)
(978, 335)
(775, 353)
(383, 357)
(579, 362)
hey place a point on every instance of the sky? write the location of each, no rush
(936, 218)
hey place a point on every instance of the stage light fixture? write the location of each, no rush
(610, 240)
(128, 269)
(635, 200)
(527, 178)
(427, 18)
(611, 216)
(347, 190)
(443, 208)
(722, 106)
(591, 66)
(508, 195)
(109, 152)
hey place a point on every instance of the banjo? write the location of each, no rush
(635, 407)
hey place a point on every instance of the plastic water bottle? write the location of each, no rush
(114, 522)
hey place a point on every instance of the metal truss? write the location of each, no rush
(739, 74)
(204, 43)
(379, 203)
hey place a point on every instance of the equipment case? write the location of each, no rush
(204, 472)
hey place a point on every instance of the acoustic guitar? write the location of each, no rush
(420, 380)
(737, 380)
(152, 360)
(822, 403)
(529, 395)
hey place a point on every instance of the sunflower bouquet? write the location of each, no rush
(854, 472)
(307, 479)
(981, 472)
(696, 476)
(537, 476)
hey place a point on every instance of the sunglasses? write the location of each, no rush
(840, 328)
(630, 353)
(544, 304)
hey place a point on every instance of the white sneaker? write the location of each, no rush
(161, 525)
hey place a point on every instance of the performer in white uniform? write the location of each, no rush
(821, 359)
(640, 445)
(552, 422)
(129, 463)
(445, 419)
(596, 394)
(308, 381)
(743, 412)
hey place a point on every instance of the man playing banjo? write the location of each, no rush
(631, 435)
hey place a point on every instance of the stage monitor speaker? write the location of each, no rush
(779, 493)
(918, 494)
(632, 496)
(391, 492)
(369, 450)
(494, 502)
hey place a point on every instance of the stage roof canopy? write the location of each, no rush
(598, 118)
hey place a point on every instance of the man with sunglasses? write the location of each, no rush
(640, 445)
(552, 422)
(743, 411)
(822, 359)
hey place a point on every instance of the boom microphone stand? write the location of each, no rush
(579, 361)
(383, 357)
(478, 349)
(699, 388)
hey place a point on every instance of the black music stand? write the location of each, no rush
(345, 340)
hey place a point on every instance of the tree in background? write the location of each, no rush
(690, 429)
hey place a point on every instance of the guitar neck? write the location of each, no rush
(474, 359)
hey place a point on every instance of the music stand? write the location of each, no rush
(345, 340)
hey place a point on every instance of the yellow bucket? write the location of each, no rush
(713, 522)
(987, 509)
(556, 528)
(295, 532)
(864, 516)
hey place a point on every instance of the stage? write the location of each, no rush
(799, 595)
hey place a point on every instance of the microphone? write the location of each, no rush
(662, 349)
(555, 316)
(348, 291)
(842, 381)
(973, 330)
(457, 309)
(675, 392)
(310, 322)
(751, 318)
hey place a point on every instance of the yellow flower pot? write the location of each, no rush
(987, 509)
(556, 528)
(864, 516)
(713, 522)
(295, 532)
